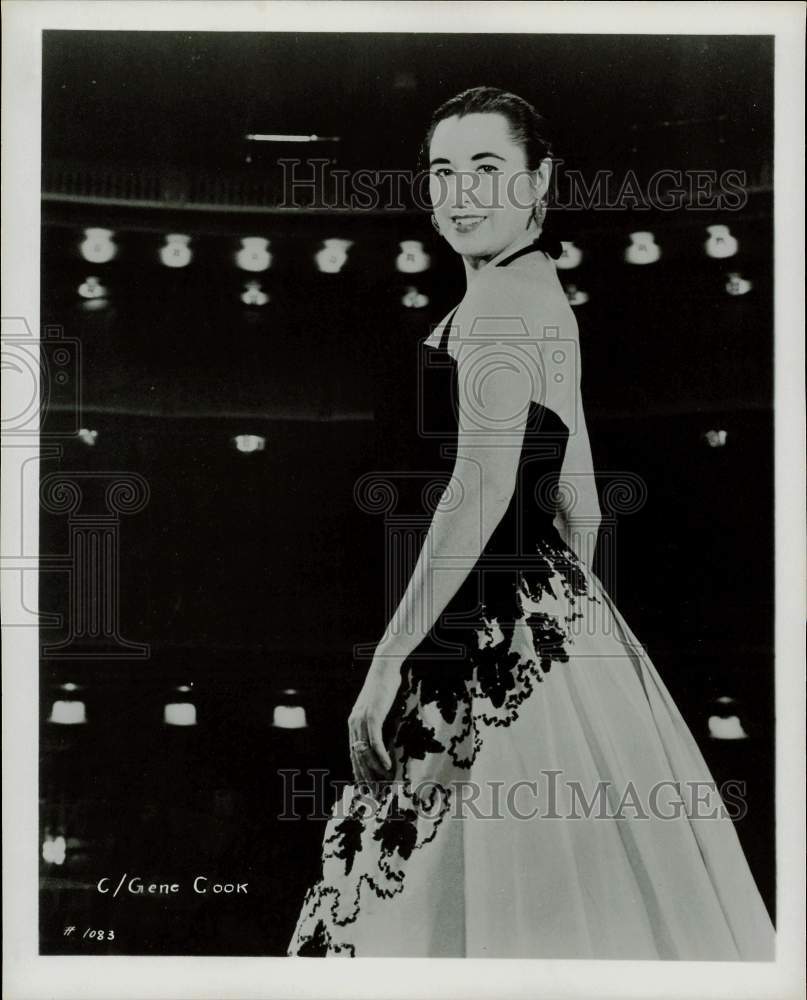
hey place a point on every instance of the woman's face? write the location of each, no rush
(482, 194)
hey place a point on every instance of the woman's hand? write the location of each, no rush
(367, 717)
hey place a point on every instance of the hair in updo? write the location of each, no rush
(527, 127)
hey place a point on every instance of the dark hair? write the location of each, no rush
(527, 128)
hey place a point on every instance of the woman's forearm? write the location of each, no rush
(455, 540)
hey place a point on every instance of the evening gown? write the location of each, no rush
(529, 685)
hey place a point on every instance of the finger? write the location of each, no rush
(355, 757)
(354, 764)
(367, 776)
(379, 750)
(372, 761)
(370, 765)
(359, 767)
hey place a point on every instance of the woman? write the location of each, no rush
(525, 787)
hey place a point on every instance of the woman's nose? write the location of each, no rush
(465, 190)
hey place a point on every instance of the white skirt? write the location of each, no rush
(560, 808)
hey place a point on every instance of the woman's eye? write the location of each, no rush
(489, 166)
(442, 172)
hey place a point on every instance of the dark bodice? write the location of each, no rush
(532, 508)
(517, 543)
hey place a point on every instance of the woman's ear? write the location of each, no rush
(543, 175)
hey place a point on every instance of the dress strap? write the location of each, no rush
(446, 332)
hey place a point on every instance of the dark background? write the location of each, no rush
(249, 575)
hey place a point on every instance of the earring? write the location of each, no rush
(539, 211)
(435, 223)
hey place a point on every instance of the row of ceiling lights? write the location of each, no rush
(724, 723)
(249, 443)
(68, 709)
(95, 294)
(99, 247)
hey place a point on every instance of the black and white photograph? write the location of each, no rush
(403, 535)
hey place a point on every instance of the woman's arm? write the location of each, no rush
(493, 405)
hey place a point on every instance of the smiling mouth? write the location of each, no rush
(465, 224)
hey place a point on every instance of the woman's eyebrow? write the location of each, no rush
(476, 156)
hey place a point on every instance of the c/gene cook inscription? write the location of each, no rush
(136, 886)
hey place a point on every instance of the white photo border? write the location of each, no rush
(29, 976)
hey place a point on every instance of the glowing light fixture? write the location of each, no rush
(576, 296)
(91, 288)
(98, 247)
(333, 255)
(728, 728)
(54, 850)
(720, 243)
(176, 252)
(413, 258)
(253, 294)
(289, 714)
(87, 436)
(254, 254)
(737, 284)
(413, 299)
(68, 713)
(249, 442)
(715, 439)
(571, 256)
(642, 249)
(280, 137)
(180, 713)
(289, 717)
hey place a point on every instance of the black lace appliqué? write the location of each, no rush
(442, 712)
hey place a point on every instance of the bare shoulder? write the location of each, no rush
(529, 297)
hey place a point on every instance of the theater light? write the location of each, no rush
(253, 294)
(642, 249)
(91, 288)
(289, 714)
(68, 713)
(413, 258)
(249, 442)
(176, 252)
(571, 256)
(54, 850)
(180, 713)
(88, 437)
(98, 247)
(254, 254)
(413, 299)
(724, 723)
(720, 243)
(281, 137)
(576, 296)
(737, 284)
(728, 728)
(715, 439)
(333, 255)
